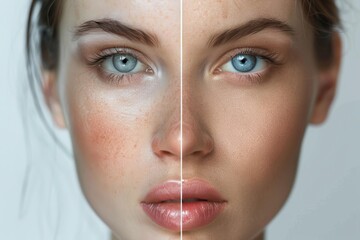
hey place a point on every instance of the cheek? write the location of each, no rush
(110, 150)
(268, 139)
(258, 134)
(106, 136)
(106, 152)
(274, 135)
(101, 137)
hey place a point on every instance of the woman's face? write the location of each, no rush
(236, 120)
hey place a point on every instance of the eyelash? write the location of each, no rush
(127, 78)
(118, 79)
(271, 58)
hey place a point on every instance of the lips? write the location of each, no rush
(201, 204)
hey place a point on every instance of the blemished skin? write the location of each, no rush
(242, 132)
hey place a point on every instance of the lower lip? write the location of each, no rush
(194, 214)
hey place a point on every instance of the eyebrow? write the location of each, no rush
(118, 28)
(249, 28)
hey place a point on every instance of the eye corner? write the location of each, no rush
(149, 70)
(217, 70)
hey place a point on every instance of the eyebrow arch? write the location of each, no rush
(251, 27)
(115, 27)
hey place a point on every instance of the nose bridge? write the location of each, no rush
(182, 133)
(166, 139)
(191, 102)
(196, 140)
(189, 109)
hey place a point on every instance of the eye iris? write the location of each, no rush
(124, 62)
(244, 63)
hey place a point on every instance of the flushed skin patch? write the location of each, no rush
(241, 132)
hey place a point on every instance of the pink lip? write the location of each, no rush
(162, 204)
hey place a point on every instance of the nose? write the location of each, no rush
(167, 142)
(195, 141)
(182, 139)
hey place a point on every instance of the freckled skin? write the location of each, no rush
(242, 137)
(256, 129)
(112, 127)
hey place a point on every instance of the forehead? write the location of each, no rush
(228, 9)
(219, 14)
(202, 19)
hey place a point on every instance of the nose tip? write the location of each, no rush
(195, 141)
(167, 143)
(182, 140)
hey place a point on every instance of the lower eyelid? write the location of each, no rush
(242, 79)
(120, 79)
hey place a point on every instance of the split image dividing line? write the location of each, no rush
(181, 119)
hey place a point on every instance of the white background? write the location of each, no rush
(324, 205)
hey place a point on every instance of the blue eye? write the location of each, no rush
(123, 63)
(244, 63)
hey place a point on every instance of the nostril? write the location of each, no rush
(164, 154)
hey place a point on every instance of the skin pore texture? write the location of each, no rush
(241, 131)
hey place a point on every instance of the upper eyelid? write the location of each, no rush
(264, 54)
(101, 55)
(267, 56)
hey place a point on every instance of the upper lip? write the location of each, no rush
(194, 189)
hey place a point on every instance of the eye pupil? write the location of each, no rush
(124, 62)
(244, 63)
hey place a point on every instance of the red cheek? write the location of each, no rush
(101, 140)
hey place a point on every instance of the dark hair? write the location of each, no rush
(42, 33)
(47, 26)
(323, 16)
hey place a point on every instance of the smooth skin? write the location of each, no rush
(256, 120)
(242, 132)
